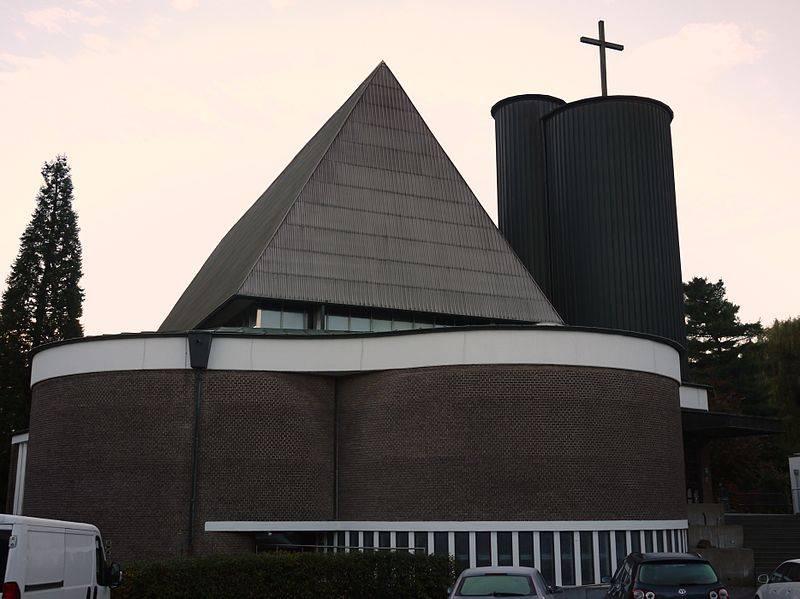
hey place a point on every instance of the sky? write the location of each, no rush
(177, 114)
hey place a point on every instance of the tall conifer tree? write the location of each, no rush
(42, 301)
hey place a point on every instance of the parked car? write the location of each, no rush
(500, 581)
(783, 583)
(666, 576)
(53, 559)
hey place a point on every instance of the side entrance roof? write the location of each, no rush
(371, 212)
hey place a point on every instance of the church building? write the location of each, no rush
(367, 361)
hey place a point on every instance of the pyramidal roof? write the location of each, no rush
(371, 213)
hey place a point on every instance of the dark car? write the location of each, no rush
(666, 576)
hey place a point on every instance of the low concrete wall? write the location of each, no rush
(705, 514)
(724, 537)
(734, 566)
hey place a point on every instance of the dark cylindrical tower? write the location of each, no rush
(521, 193)
(615, 257)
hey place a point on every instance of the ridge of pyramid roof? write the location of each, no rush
(371, 212)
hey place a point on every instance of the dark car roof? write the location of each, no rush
(667, 557)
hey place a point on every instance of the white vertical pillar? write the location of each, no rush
(515, 549)
(430, 543)
(664, 535)
(472, 551)
(629, 546)
(557, 556)
(642, 545)
(598, 576)
(537, 551)
(451, 543)
(493, 546)
(576, 559)
(393, 539)
(375, 540)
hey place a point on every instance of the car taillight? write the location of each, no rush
(723, 593)
(638, 594)
(10, 591)
(649, 595)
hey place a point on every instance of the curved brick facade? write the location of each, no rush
(441, 443)
(510, 443)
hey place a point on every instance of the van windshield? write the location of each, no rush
(5, 535)
(676, 573)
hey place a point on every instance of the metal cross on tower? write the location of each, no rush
(603, 44)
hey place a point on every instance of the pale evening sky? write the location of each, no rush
(176, 115)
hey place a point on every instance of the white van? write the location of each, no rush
(48, 559)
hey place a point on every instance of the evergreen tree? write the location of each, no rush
(42, 302)
(722, 351)
(782, 366)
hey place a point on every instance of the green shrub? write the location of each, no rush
(293, 575)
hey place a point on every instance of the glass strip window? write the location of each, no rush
(636, 541)
(505, 555)
(369, 540)
(660, 541)
(567, 559)
(547, 549)
(483, 549)
(440, 543)
(622, 546)
(421, 542)
(526, 549)
(587, 558)
(401, 540)
(462, 551)
(604, 538)
(648, 541)
(384, 539)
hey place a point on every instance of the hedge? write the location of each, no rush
(353, 575)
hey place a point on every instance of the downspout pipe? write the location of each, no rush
(199, 352)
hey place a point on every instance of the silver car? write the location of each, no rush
(783, 583)
(500, 581)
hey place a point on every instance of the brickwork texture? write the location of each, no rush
(443, 443)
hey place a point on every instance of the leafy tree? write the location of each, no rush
(42, 302)
(782, 369)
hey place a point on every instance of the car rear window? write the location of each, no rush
(501, 585)
(676, 573)
(5, 535)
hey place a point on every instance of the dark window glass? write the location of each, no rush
(636, 542)
(440, 544)
(504, 551)
(293, 320)
(353, 539)
(330, 540)
(622, 546)
(548, 557)
(384, 539)
(676, 573)
(340, 539)
(526, 549)
(567, 558)
(499, 585)
(648, 541)
(462, 551)
(401, 539)
(270, 319)
(605, 553)
(483, 549)
(660, 541)
(401, 325)
(421, 542)
(369, 540)
(587, 558)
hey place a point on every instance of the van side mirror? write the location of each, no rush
(763, 579)
(114, 575)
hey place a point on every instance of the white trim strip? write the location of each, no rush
(21, 438)
(443, 526)
(344, 354)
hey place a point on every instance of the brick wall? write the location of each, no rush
(510, 443)
(451, 443)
